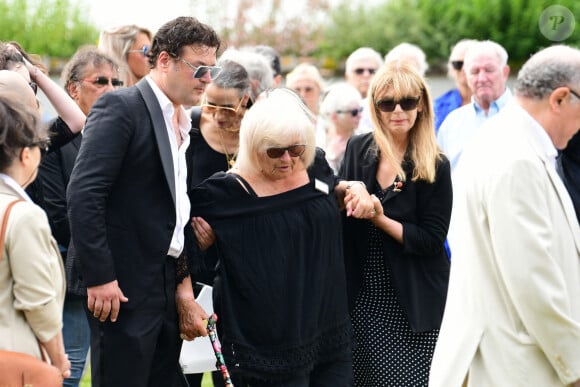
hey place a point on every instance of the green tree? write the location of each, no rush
(55, 28)
(435, 25)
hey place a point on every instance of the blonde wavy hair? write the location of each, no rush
(116, 42)
(405, 81)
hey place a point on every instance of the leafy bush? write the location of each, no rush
(55, 28)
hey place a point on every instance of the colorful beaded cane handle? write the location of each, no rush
(221, 363)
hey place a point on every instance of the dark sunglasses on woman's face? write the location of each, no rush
(360, 71)
(457, 64)
(389, 105)
(104, 81)
(353, 112)
(293, 150)
(143, 50)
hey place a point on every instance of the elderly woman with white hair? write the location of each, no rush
(341, 110)
(280, 291)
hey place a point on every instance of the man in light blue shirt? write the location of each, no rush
(487, 71)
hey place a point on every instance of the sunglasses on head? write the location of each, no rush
(42, 144)
(104, 81)
(457, 64)
(293, 150)
(388, 105)
(353, 112)
(360, 71)
(200, 71)
(143, 50)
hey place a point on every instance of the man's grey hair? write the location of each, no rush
(548, 69)
(486, 46)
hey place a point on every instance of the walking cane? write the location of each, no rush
(217, 349)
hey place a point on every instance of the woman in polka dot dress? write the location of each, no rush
(396, 263)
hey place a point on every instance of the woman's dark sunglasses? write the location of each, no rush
(457, 64)
(104, 81)
(360, 71)
(353, 112)
(389, 105)
(293, 150)
(143, 50)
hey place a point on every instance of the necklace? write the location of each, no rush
(230, 158)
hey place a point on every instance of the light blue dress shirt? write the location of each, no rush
(460, 125)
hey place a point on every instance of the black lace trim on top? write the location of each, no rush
(278, 365)
(181, 268)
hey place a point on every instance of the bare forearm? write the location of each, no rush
(389, 226)
(192, 317)
(65, 106)
(184, 289)
(55, 349)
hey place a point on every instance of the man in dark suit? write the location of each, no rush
(128, 209)
(86, 76)
(569, 169)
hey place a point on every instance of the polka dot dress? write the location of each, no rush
(388, 352)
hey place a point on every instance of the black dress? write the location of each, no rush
(205, 161)
(389, 352)
(280, 293)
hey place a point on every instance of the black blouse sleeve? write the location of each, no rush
(60, 134)
(434, 202)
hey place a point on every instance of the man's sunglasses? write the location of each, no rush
(43, 145)
(457, 64)
(104, 81)
(293, 150)
(200, 71)
(360, 71)
(143, 50)
(353, 112)
(389, 105)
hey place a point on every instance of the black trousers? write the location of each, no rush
(142, 347)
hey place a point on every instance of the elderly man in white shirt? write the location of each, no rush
(487, 71)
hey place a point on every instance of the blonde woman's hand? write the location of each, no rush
(377, 210)
(358, 202)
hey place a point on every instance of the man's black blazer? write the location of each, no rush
(121, 195)
(419, 266)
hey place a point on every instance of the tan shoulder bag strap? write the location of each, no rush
(4, 223)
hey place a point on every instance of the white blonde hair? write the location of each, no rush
(340, 96)
(279, 118)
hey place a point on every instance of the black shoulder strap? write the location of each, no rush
(195, 116)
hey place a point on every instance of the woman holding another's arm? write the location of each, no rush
(396, 264)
